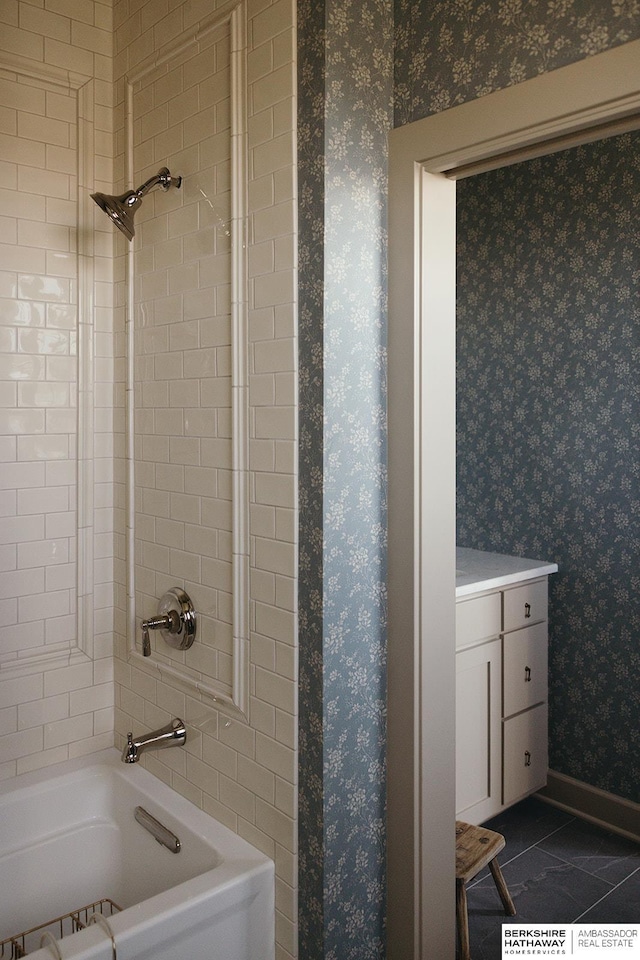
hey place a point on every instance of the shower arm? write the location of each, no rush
(162, 179)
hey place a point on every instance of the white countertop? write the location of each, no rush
(477, 570)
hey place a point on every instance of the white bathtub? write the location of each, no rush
(68, 837)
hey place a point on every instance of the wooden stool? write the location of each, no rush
(475, 848)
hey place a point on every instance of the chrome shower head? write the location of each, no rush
(122, 209)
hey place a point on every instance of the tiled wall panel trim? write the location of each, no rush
(56, 680)
(242, 772)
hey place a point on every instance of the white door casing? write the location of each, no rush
(542, 115)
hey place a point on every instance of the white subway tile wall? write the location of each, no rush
(243, 773)
(38, 367)
(182, 355)
(49, 711)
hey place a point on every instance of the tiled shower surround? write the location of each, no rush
(53, 51)
(108, 93)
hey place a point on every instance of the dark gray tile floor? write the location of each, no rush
(558, 868)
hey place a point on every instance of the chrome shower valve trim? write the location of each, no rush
(176, 621)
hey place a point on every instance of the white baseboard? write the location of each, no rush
(598, 806)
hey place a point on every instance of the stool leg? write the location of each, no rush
(505, 896)
(463, 920)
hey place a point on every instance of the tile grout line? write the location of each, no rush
(531, 846)
(608, 894)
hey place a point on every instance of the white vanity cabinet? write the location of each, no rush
(501, 682)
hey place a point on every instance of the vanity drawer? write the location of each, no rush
(525, 754)
(524, 668)
(477, 619)
(525, 605)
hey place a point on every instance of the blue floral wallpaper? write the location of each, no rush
(346, 110)
(451, 51)
(446, 52)
(549, 424)
(310, 473)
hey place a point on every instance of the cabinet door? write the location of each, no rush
(525, 753)
(524, 668)
(478, 740)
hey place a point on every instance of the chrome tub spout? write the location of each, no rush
(173, 735)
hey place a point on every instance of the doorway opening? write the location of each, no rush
(571, 101)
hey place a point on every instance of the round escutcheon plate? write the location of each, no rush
(176, 601)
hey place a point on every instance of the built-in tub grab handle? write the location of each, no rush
(157, 830)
